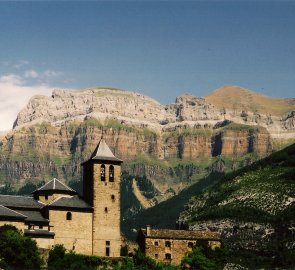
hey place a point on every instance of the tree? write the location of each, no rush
(18, 251)
(203, 257)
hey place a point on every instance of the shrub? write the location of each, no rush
(203, 257)
(18, 251)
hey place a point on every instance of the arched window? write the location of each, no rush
(69, 216)
(111, 173)
(102, 172)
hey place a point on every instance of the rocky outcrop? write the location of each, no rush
(136, 109)
(53, 135)
(43, 151)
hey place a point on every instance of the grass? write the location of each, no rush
(187, 132)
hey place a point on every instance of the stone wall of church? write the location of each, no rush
(74, 234)
(106, 223)
(20, 225)
(49, 198)
(45, 243)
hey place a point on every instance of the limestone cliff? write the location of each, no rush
(173, 145)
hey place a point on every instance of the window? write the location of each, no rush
(156, 243)
(167, 244)
(156, 256)
(46, 197)
(111, 173)
(69, 216)
(190, 244)
(108, 243)
(168, 256)
(102, 172)
(105, 209)
(113, 198)
(40, 227)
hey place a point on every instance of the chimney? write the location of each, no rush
(148, 230)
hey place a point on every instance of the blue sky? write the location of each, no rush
(161, 49)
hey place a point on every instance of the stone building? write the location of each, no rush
(89, 224)
(171, 245)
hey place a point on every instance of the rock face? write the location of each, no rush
(170, 144)
(233, 103)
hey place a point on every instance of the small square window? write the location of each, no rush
(167, 244)
(105, 209)
(156, 243)
(108, 243)
(190, 244)
(168, 256)
(156, 256)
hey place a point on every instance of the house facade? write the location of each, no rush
(170, 246)
(56, 214)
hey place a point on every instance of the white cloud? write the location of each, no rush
(31, 74)
(51, 73)
(14, 95)
(20, 64)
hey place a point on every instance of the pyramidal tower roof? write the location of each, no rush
(103, 152)
(56, 185)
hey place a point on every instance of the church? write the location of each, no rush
(56, 214)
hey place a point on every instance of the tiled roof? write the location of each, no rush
(55, 185)
(8, 213)
(19, 202)
(34, 216)
(70, 202)
(182, 234)
(103, 152)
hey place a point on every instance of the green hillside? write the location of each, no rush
(264, 191)
(254, 210)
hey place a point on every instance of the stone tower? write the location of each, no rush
(101, 189)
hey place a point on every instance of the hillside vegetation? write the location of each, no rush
(253, 208)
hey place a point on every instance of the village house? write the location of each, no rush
(170, 246)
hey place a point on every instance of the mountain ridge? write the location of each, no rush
(137, 109)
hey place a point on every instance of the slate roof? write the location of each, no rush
(181, 234)
(70, 202)
(8, 213)
(33, 216)
(39, 232)
(55, 185)
(103, 152)
(19, 202)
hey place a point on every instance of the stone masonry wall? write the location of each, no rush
(158, 249)
(106, 216)
(75, 234)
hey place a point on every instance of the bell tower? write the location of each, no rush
(101, 189)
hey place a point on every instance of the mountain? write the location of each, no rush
(237, 98)
(253, 208)
(166, 148)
